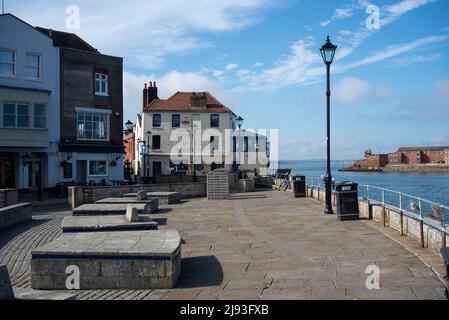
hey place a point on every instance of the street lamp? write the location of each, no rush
(129, 125)
(239, 124)
(148, 151)
(327, 53)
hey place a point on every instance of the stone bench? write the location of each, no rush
(109, 260)
(164, 197)
(153, 203)
(106, 223)
(15, 214)
(109, 209)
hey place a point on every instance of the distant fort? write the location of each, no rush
(406, 159)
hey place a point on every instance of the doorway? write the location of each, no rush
(81, 172)
(7, 173)
(34, 174)
(157, 168)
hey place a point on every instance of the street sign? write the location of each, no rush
(144, 150)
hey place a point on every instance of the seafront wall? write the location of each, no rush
(430, 168)
(84, 195)
(430, 235)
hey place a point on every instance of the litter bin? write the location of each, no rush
(299, 186)
(347, 201)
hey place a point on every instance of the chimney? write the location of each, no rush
(145, 97)
(152, 92)
(198, 100)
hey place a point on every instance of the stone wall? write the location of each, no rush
(82, 195)
(15, 214)
(429, 234)
(178, 179)
(8, 197)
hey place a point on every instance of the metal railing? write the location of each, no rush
(430, 213)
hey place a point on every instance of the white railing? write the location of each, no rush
(431, 213)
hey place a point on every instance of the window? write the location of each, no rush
(214, 121)
(156, 143)
(175, 120)
(234, 144)
(39, 116)
(7, 63)
(97, 168)
(93, 126)
(23, 119)
(101, 84)
(9, 114)
(157, 120)
(33, 66)
(246, 144)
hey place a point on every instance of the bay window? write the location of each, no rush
(92, 125)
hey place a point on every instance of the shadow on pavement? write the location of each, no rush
(9, 233)
(204, 271)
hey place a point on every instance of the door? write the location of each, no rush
(34, 174)
(157, 168)
(81, 172)
(7, 173)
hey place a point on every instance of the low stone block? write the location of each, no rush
(142, 195)
(109, 209)
(15, 214)
(131, 213)
(6, 292)
(31, 294)
(109, 260)
(106, 224)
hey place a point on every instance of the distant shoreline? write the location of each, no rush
(430, 168)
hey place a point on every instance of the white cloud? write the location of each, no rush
(353, 90)
(146, 31)
(395, 11)
(409, 60)
(258, 64)
(231, 66)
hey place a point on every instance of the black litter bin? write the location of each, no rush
(299, 186)
(347, 201)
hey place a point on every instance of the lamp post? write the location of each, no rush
(147, 169)
(327, 53)
(239, 124)
(129, 126)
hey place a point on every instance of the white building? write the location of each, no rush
(29, 105)
(201, 120)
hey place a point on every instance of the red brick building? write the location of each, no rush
(406, 155)
(372, 160)
(130, 152)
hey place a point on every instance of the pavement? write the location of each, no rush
(260, 245)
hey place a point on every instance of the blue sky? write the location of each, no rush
(261, 58)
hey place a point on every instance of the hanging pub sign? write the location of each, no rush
(68, 168)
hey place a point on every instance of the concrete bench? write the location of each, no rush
(109, 209)
(164, 197)
(153, 203)
(106, 223)
(15, 214)
(109, 260)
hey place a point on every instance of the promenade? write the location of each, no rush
(261, 245)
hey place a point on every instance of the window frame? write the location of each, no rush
(218, 119)
(14, 104)
(106, 81)
(160, 120)
(39, 67)
(106, 113)
(97, 175)
(152, 142)
(27, 115)
(14, 64)
(173, 118)
(43, 116)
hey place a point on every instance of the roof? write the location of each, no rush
(180, 101)
(415, 149)
(67, 40)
